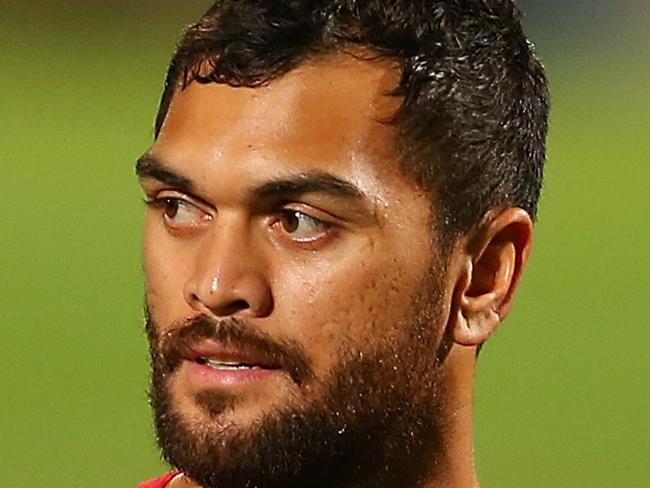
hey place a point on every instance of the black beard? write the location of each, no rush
(379, 424)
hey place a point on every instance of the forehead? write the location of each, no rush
(328, 112)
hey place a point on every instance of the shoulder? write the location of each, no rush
(160, 482)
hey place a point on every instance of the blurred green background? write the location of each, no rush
(563, 393)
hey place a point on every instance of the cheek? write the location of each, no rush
(348, 306)
(165, 269)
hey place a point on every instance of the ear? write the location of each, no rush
(489, 274)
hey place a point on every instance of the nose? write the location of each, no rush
(228, 276)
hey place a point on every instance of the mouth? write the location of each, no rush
(222, 365)
(218, 365)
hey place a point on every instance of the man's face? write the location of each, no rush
(296, 302)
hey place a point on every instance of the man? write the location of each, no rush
(340, 200)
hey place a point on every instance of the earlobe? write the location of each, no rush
(489, 276)
(477, 316)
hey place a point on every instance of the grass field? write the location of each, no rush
(563, 389)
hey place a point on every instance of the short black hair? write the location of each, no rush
(473, 117)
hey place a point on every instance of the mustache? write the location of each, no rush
(170, 348)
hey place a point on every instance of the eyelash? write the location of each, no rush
(326, 229)
(162, 204)
(277, 223)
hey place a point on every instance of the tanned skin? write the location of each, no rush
(230, 251)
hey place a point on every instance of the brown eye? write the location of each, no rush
(290, 221)
(170, 207)
(302, 227)
(178, 212)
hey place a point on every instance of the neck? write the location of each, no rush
(456, 467)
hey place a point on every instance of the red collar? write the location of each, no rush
(160, 482)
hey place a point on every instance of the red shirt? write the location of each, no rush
(159, 482)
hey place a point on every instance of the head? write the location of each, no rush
(341, 198)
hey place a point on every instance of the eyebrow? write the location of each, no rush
(308, 182)
(149, 166)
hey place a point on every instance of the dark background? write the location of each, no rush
(562, 389)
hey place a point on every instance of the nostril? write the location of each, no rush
(193, 299)
(232, 307)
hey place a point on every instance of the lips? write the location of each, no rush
(227, 351)
(211, 365)
(222, 357)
